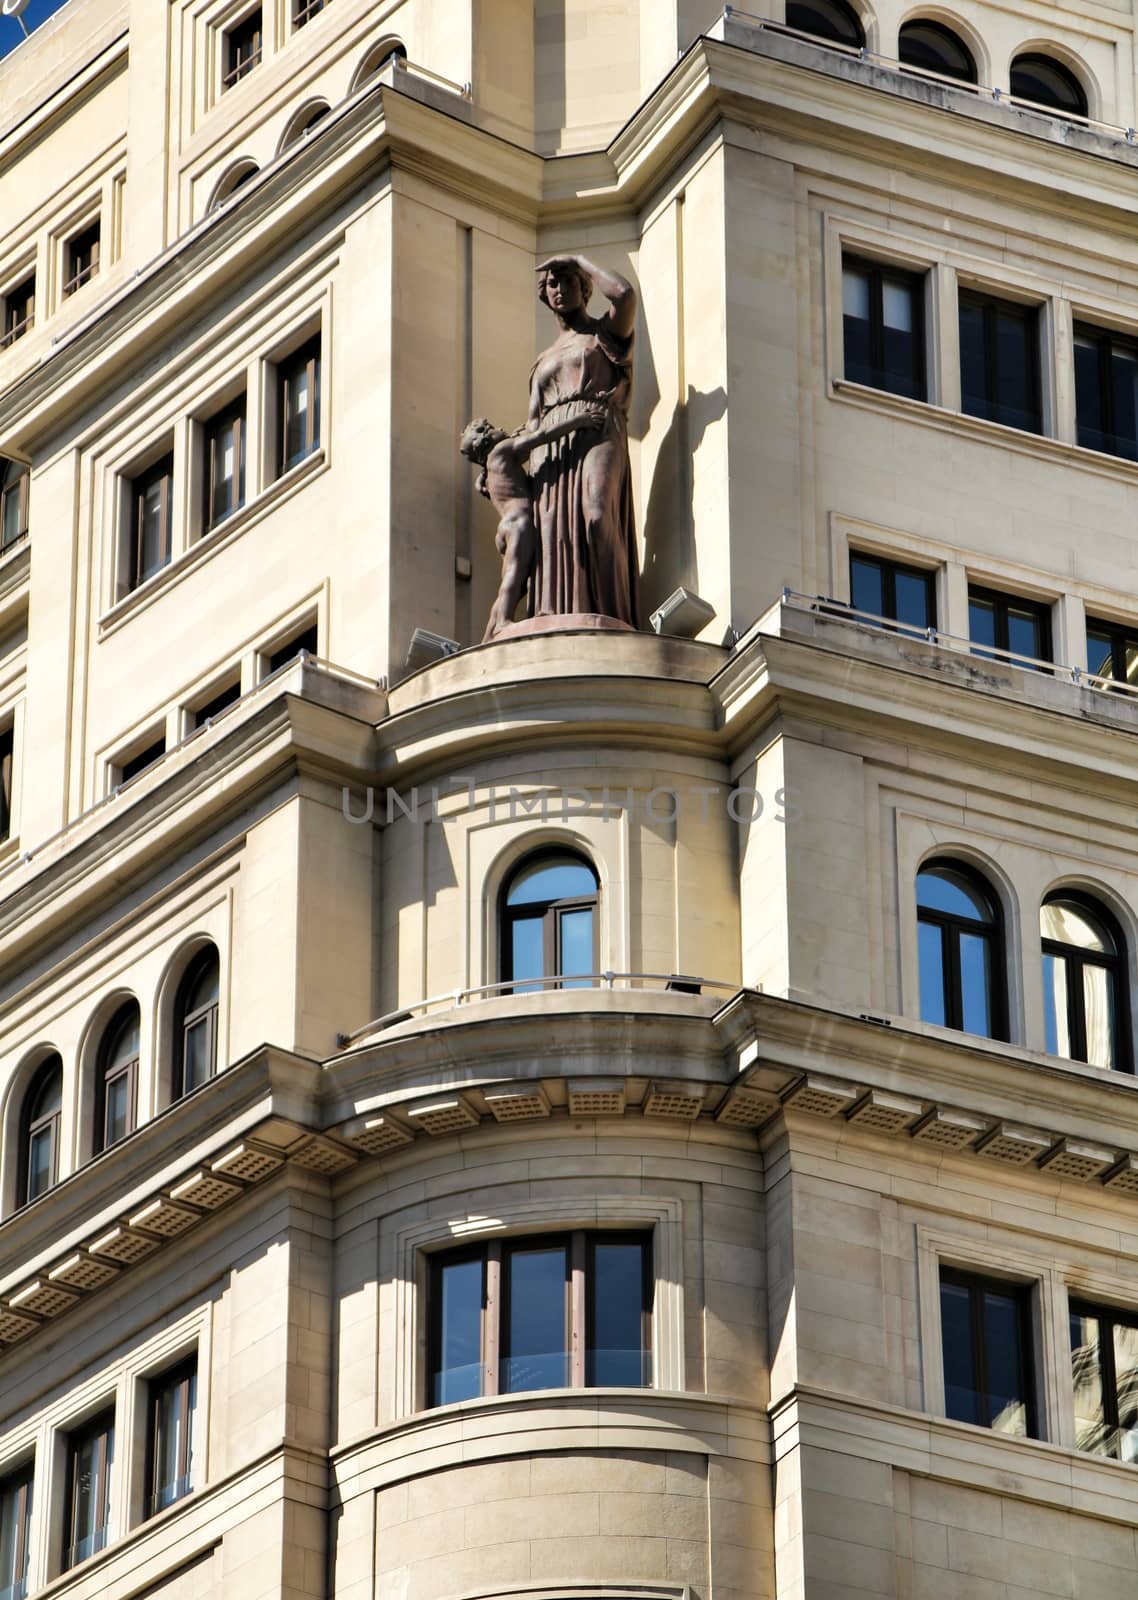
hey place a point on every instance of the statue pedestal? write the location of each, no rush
(570, 622)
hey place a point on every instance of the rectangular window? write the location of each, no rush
(152, 500)
(90, 1457)
(224, 464)
(170, 1446)
(1008, 622)
(889, 589)
(19, 316)
(81, 258)
(145, 758)
(14, 480)
(563, 1310)
(7, 751)
(999, 361)
(987, 1352)
(305, 640)
(299, 396)
(303, 11)
(216, 704)
(1112, 650)
(242, 49)
(1104, 1371)
(15, 1526)
(1106, 391)
(883, 327)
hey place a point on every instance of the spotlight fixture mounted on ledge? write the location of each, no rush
(682, 614)
(426, 647)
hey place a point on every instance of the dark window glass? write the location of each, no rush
(987, 1366)
(514, 1315)
(90, 1457)
(117, 1081)
(81, 258)
(151, 521)
(170, 1446)
(145, 758)
(999, 361)
(242, 49)
(883, 327)
(306, 640)
(1048, 84)
(374, 64)
(15, 1526)
(1084, 982)
(961, 951)
(14, 478)
(19, 316)
(7, 751)
(548, 922)
(888, 589)
(934, 48)
(826, 19)
(195, 1023)
(304, 10)
(1008, 622)
(1106, 384)
(1104, 1370)
(213, 707)
(300, 404)
(39, 1141)
(225, 464)
(1112, 650)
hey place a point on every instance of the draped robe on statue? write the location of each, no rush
(582, 484)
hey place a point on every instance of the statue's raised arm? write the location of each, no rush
(621, 315)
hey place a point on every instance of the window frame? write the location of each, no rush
(969, 79)
(108, 1072)
(19, 484)
(889, 568)
(1118, 965)
(160, 472)
(234, 416)
(1120, 634)
(976, 1281)
(182, 1376)
(20, 297)
(952, 926)
(852, 17)
(1107, 1317)
(307, 358)
(303, 11)
(1035, 58)
(1104, 341)
(184, 1019)
(915, 280)
(551, 911)
(579, 1245)
(83, 245)
(1001, 601)
(101, 1428)
(992, 305)
(234, 65)
(7, 779)
(31, 1127)
(20, 1481)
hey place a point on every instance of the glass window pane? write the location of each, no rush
(856, 326)
(40, 1163)
(1013, 370)
(197, 1048)
(1055, 1006)
(117, 1119)
(1088, 394)
(528, 948)
(981, 621)
(15, 1518)
(1091, 1430)
(1126, 1379)
(976, 984)
(867, 591)
(552, 879)
(897, 306)
(92, 1457)
(616, 1354)
(1069, 923)
(576, 940)
(150, 529)
(459, 1339)
(961, 1401)
(1123, 378)
(1131, 661)
(1100, 653)
(1007, 1393)
(1025, 632)
(931, 945)
(297, 399)
(11, 528)
(534, 1348)
(941, 889)
(1098, 1012)
(173, 1442)
(855, 294)
(973, 370)
(914, 598)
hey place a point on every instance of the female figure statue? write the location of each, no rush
(585, 559)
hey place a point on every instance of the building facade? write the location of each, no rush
(597, 1113)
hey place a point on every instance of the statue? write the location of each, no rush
(567, 526)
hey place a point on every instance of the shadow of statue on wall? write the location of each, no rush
(670, 555)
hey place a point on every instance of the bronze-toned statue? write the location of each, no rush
(567, 526)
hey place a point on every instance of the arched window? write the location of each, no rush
(935, 48)
(1048, 83)
(116, 1086)
(305, 119)
(1084, 989)
(827, 19)
(231, 181)
(549, 921)
(375, 61)
(961, 950)
(195, 1023)
(39, 1132)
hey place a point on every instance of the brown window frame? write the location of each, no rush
(303, 11)
(108, 1073)
(233, 416)
(238, 65)
(552, 911)
(306, 358)
(81, 257)
(162, 473)
(18, 1484)
(7, 774)
(31, 1127)
(182, 1376)
(101, 1429)
(19, 310)
(19, 485)
(185, 1020)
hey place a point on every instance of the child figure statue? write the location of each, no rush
(508, 486)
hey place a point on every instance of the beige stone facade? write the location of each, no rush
(317, 227)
